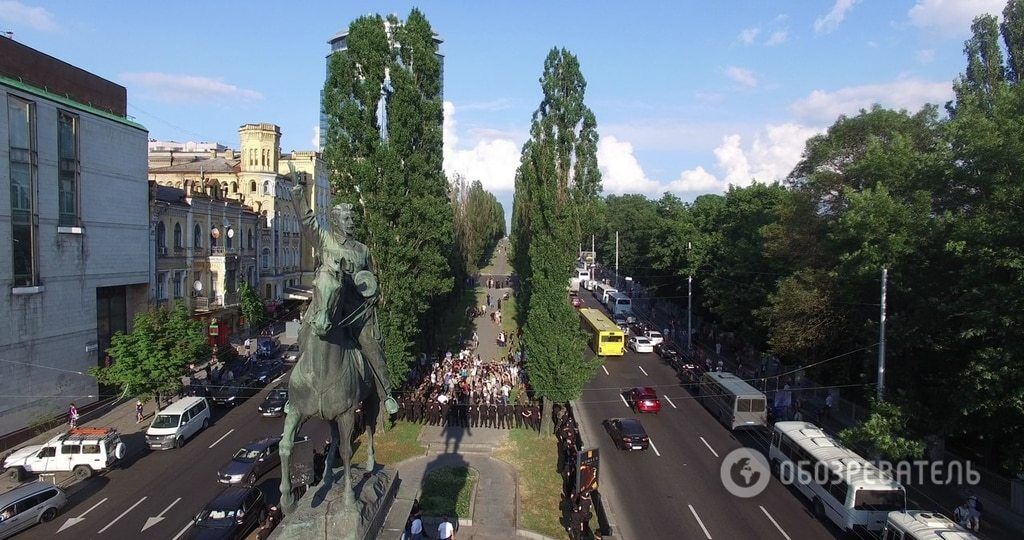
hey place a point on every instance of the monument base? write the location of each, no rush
(322, 513)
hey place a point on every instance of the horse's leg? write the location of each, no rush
(291, 426)
(371, 411)
(332, 450)
(347, 421)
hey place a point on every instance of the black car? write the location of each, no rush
(233, 513)
(267, 370)
(628, 433)
(234, 392)
(275, 401)
(251, 462)
(668, 354)
(291, 354)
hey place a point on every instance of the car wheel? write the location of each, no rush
(48, 515)
(82, 472)
(15, 474)
(177, 442)
(251, 480)
(776, 468)
(206, 423)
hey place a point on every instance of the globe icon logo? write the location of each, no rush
(745, 473)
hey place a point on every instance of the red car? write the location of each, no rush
(644, 400)
(577, 301)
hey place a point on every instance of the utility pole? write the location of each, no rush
(881, 340)
(616, 259)
(689, 304)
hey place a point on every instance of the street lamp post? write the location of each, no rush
(689, 302)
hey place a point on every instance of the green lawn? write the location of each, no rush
(396, 444)
(508, 316)
(540, 486)
(447, 491)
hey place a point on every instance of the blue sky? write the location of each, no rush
(689, 96)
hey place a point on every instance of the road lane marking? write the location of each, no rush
(699, 522)
(776, 523)
(130, 508)
(76, 520)
(655, 448)
(624, 402)
(222, 437)
(642, 369)
(159, 517)
(182, 531)
(709, 447)
(670, 402)
(605, 370)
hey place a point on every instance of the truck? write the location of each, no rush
(83, 451)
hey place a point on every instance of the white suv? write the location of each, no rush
(82, 450)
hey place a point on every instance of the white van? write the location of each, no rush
(174, 425)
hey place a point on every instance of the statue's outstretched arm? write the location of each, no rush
(307, 218)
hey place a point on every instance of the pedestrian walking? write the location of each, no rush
(499, 304)
(826, 411)
(73, 416)
(962, 515)
(488, 299)
(445, 531)
(974, 509)
(138, 411)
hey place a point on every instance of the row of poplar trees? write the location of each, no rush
(557, 190)
(423, 232)
(794, 268)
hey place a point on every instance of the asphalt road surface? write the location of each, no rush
(674, 488)
(165, 489)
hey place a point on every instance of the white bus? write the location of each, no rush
(842, 486)
(578, 278)
(620, 304)
(734, 403)
(601, 292)
(921, 525)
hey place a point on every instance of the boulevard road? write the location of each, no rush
(155, 494)
(674, 488)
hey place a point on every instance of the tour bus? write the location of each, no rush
(601, 292)
(921, 525)
(620, 304)
(578, 278)
(605, 337)
(735, 403)
(842, 486)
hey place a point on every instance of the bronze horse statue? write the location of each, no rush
(330, 381)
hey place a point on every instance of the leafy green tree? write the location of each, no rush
(1012, 29)
(407, 219)
(151, 360)
(251, 306)
(479, 223)
(557, 184)
(985, 75)
(883, 434)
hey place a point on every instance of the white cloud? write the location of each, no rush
(37, 18)
(620, 170)
(952, 17)
(908, 94)
(741, 75)
(777, 37)
(176, 88)
(748, 35)
(925, 56)
(694, 181)
(492, 161)
(834, 17)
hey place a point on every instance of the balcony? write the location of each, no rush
(216, 250)
(198, 252)
(205, 303)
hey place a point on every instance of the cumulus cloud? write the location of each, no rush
(694, 181)
(910, 94)
(37, 18)
(777, 37)
(951, 16)
(177, 88)
(620, 170)
(831, 20)
(492, 160)
(748, 35)
(742, 76)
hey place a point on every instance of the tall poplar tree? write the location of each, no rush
(398, 184)
(557, 185)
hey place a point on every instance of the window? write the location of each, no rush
(91, 448)
(252, 241)
(177, 236)
(161, 236)
(67, 169)
(21, 137)
(234, 187)
(266, 187)
(161, 292)
(252, 186)
(265, 258)
(48, 451)
(177, 285)
(70, 449)
(197, 236)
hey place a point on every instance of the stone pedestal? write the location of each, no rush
(321, 512)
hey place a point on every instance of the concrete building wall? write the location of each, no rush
(49, 338)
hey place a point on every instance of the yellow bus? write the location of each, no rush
(606, 338)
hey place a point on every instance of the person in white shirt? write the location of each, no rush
(442, 399)
(416, 528)
(445, 531)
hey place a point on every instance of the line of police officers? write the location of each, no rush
(579, 500)
(477, 414)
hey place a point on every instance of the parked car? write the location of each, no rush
(668, 353)
(291, 354)
(233, 513)
(235, 392)
(628, 433)
(621, 322)
(82, 450)
(178, 422)
(690, 373)
(577, 302)
(655, 336)
(644, 399)
(266, 346)
(640, 344)
(26, 505)
(267, 370)
(638, 328)
(251, 462)
(273, 404)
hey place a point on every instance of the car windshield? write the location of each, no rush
(643, 341)
(246, 454)
(216, 518)
(166, 420)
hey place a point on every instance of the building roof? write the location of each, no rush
(170, 194)
(210, 165)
